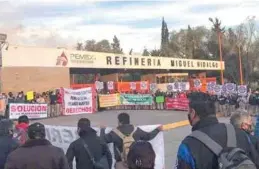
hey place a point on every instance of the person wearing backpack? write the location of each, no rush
(21, 129)
(89, 150)
(123, 136)
(211, 143)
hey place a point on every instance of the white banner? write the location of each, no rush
(78, 101)
(133, 85)
(143, 85)
(242, 90)
(62, 136)
(33, 111)
(110, 85)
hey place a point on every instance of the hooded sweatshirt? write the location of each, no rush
(21, 132)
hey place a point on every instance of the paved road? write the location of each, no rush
(172, 138)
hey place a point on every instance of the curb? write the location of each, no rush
(175, 125)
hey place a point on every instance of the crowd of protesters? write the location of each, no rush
(20, 144)
(52, 98)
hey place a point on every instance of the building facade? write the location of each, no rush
(41, 69)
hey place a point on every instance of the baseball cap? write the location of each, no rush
(36, 129)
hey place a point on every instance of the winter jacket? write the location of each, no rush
(7, 145)
(193, 154)
(21, 132)
(97, 147)
(37, 154)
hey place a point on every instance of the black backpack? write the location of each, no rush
(229, 157)
(101, 164)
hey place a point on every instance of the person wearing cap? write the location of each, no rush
(7, 143)
(37, 152)
(88, 138)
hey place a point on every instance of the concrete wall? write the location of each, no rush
(39, 79)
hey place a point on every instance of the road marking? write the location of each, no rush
(176, 125)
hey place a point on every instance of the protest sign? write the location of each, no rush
(99, 85)
(33, 111)
(143, 85)
(136, 99)
(30, 95)
(110, 85)
(133, 85)
(230, 87)
(62, 136)
(152, 86)
(78, 101)
(211, 86)
(218, 89)
(169, 87)
(177, 103)
(197, 83)
(160, 99)
(242, 90)
(109, 100)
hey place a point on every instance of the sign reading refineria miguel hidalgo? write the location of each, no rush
(162, 63)
(19, 56)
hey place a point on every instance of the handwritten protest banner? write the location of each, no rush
(78, 101)
(108, 100)
(136, 99)
(62, 136)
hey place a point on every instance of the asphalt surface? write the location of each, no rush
(172, 138)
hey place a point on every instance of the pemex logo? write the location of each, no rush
(62, 60)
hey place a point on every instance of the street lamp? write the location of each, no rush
(217, 28)
(3, 38)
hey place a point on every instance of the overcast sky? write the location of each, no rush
(62, 23)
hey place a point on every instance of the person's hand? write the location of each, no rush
(160, 128)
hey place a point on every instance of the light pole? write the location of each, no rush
(240, 65)
(217, 28)
(3, 38)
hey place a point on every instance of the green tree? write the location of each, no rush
(155, 52)
(90, 45)
(103, 46)
(79, 46)
(145, 52)
(164, 39)
(116, 45)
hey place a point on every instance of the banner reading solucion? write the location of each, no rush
(33, 111)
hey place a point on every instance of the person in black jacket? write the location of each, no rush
(222, 104)
(193, 154)
(96, 146)
(7, 143)
(126, 128)
(37, 152)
